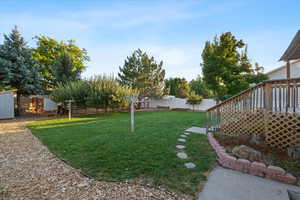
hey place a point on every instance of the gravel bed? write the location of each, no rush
(28, 170)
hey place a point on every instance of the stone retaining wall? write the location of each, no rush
(254, 168)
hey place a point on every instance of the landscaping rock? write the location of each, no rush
(256, 139)
(246, 152)
(183, 136)
(83, 184)
(294, 152)
(182, 155)
(181, 140)
(190, 165)
(186, 133)
(180, 147)
(258, 169)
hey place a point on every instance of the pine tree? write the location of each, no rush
(18, 69)
(226, 67)
(64, 70)
(143, 73)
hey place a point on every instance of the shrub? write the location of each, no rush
(76, 90)
(194, 99)
(99, 92)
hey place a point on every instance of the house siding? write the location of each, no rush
(281, 73)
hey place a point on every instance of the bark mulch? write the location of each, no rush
(29, 171)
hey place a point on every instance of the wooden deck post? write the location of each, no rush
(268, 97)
(288, 76)
(288, 69)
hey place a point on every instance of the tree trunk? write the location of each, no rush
(18, 110)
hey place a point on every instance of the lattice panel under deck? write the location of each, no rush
(283, 130)
(242, 122)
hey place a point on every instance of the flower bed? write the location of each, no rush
(254, 168)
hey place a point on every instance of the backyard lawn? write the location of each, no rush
(103, 147)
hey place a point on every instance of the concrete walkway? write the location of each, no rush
(224, 184)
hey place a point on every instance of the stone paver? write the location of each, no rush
(190, 165)
(182, 155)
(183, 136)
(181, 140)
(195, 129)
(29, 171)
(180, 147)
(225, 184)
(186, 133)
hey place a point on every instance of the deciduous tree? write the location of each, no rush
(200, 88)
(49, 50)
(177, 87)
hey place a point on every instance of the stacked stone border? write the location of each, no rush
(254, 168)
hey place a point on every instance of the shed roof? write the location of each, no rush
(293, 51)
(7, 91)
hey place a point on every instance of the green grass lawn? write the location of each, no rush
(103, 147)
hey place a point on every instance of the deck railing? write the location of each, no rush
(270, 109)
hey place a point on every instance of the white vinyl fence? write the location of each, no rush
(173, 102)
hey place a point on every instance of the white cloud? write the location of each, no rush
(134, 14)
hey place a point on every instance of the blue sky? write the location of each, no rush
(172, 31)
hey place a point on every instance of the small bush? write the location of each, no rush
(194, 99)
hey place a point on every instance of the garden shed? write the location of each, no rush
(37, 104)
(7, 105)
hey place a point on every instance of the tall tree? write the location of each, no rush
(177, 87)
(226, 67)
(49, 50)
(18, 69)
(63, 70)
(143, 73)
(200, 88)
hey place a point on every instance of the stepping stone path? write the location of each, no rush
(181, 140)
(182, 155)
(190, 165)
(180, 147)
(195, 129)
